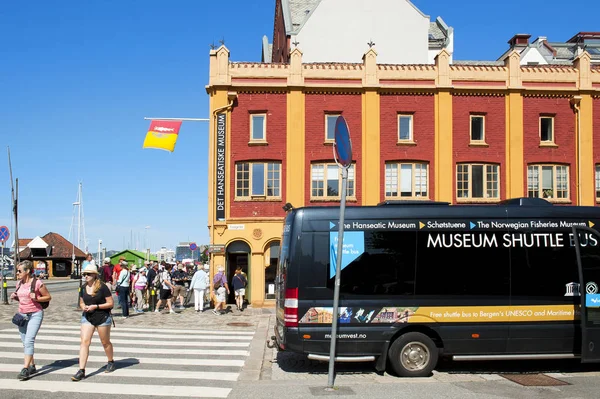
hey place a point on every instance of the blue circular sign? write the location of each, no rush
(4, 233)
(343, 144)
(193, 246)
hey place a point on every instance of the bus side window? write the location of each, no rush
(542, 270)
(462, 263)
(385, 268)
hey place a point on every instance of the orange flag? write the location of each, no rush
(162, 135)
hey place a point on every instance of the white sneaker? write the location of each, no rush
(171, 311)
(157, 311)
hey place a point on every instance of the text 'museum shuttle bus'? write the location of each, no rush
(517, 280)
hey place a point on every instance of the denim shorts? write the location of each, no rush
(108, 322)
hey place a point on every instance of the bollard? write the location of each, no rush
(5, 291)
(78, 295)
(152, 300)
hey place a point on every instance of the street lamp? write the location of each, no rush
(146, 246)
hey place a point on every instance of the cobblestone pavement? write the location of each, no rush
(63, 310)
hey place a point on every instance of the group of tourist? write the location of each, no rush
(96, 301)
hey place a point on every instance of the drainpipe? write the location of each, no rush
(575, 103)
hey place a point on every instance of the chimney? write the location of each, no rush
(519, 40)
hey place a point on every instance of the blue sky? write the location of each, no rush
(77, 78)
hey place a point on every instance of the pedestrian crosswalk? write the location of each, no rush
(149, 362)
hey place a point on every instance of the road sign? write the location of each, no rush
(193, 246)
(4, 233)
(343, 144)
(342, 151)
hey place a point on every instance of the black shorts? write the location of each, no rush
(165, 294)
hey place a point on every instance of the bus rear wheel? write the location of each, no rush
(413, 355)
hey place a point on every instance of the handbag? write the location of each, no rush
(20, 320)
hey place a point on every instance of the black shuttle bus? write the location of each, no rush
(420, 280)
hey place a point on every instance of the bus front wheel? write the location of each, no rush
(413, 355)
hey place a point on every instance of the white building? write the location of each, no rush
(543, 52)
(337, 30)
(165, 254)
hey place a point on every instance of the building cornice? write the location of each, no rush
(255, 77)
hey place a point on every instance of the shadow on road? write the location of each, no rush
(296, 363)
(66, 363)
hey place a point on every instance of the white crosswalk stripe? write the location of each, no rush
(149, 362)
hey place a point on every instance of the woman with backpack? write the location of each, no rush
(166, 289)
(96, 302)
(30, 293)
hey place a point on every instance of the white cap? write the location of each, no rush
(106, 260)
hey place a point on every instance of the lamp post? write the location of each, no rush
(99, 262)
(146, 237)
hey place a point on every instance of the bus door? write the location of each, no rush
(587, 247)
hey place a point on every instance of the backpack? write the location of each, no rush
(157, 281)
(101, 274)
(44, 305)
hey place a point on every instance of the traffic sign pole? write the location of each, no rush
(342, 152)
(4, 285)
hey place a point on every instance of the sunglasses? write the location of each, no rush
(87, 274)
(19, 271)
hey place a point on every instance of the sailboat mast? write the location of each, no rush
(79, 217)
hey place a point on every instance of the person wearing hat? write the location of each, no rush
(95, 301)
(122, 288)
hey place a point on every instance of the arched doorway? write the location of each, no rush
(238, 254)
(271, 258)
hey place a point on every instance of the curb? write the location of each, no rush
(252, 369)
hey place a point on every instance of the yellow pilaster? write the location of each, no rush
(257, 279)
(295, 141)
(295, 148)
(586, 151)
(371, 153)
(444, 168)
(583, 105)
(443, 161)
(515, 186)
(218, 99)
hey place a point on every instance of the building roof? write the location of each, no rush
(297, 12)
(24, 241)
(135, 253)
(560, 53)
(61, 248)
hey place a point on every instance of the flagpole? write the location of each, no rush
(179, 119)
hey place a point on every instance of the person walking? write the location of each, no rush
(200, 282)
(31, 308)
(106, 273)
(96, 303)
(178, 278)
(139, 285)
(221, 289)
(122, 287)
(166, 289)
(239, 283)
